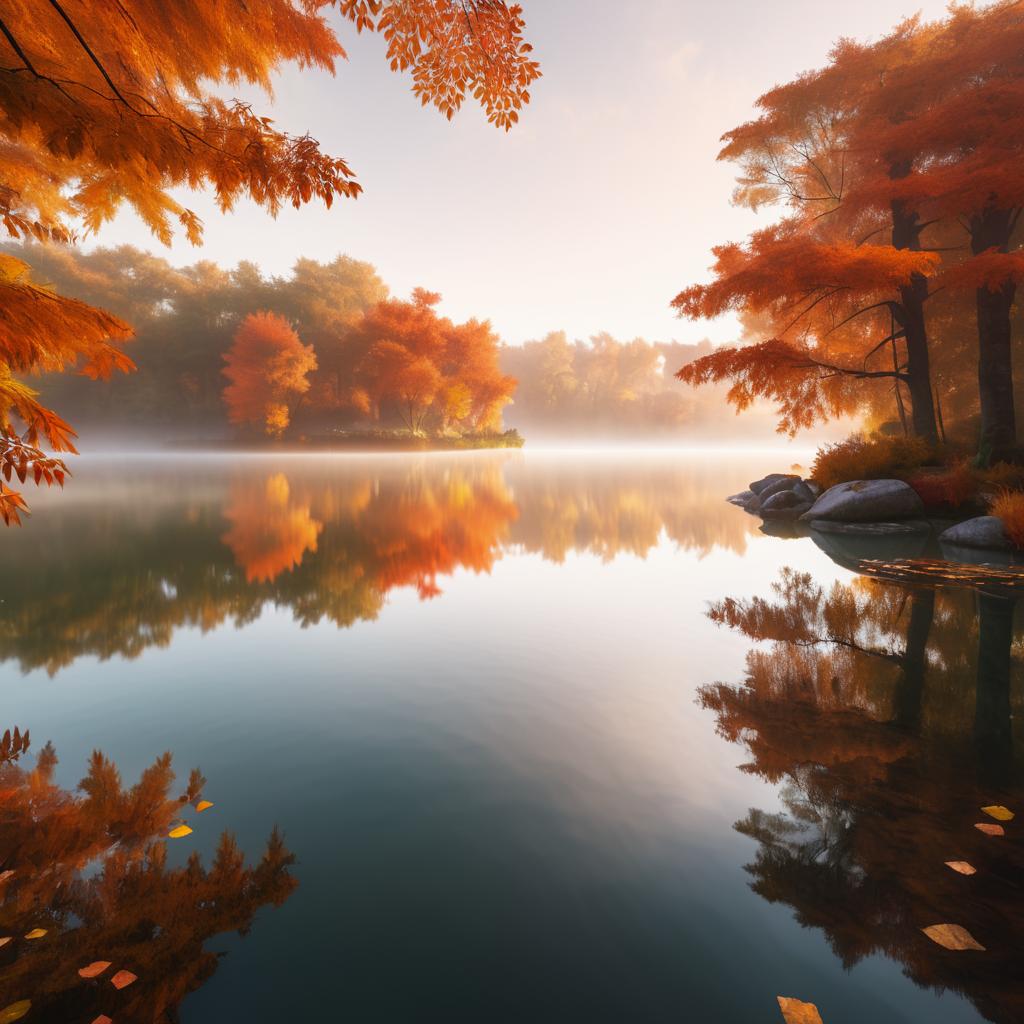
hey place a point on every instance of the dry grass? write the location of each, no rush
(1009, 506)
(862, 458)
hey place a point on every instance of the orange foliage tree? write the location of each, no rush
(103, 105)
(918, 132)
(268, 368)
(426, 370)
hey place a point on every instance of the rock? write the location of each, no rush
(806, 491)
(850, 549)
(907, 526)
(813, 486)
(867, 501)
(743, 499)
(982, 532)
(782, 499)
(772, 478)
(791, 512)
(978, 556)
(787, 483)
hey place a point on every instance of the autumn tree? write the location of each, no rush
(268, 369)
(427, 371)
(103, 106)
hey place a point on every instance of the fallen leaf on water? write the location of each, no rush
(123, 979)
(989, 829)
(797, 1012)
(95, 969)
(36, 933)
(952, 936)
(203, 805)
(962, 866)
(5, 940)
(4, 875)
(15, 1011)
(999, 812)
(180, 832)
(102, 1019)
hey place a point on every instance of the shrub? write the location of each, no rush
(950, 487)
(1009, 506)
(863, 458)
(1004, 476)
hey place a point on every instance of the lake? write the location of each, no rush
(547, 737)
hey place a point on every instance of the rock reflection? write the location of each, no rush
(85, 877)
(326, 540)
(885, 714)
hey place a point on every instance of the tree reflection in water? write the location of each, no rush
(90, 869)
(886, 716)
(327, 543)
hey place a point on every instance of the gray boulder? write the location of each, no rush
(772, 478)
(807, 491)
(868, 501)
(782, 499)
(787, 483)
(982, 532)
(743, 499)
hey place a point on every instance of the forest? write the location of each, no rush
(226, 353)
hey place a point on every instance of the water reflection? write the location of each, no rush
(85, 878)
(887, 716)
(120, 567)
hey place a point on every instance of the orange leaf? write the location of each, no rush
(796, 1012)
(123, 979)
(36, 933)
(989, 829)
(961, 866)
(203, 805)
(180, 832)
(94, 970)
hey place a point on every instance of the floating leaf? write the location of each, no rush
(5, 939)
(4, 875)
(203, 805)
(797, 1012)
(999, 812)
(123, 979)
(36, 933)
(15, 1011)
(962, 866)
(102, 1019)
(95, 969)
(180, 832)
(989, 829)
(952, 936)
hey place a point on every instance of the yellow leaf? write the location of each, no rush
(990, 830)
(5, 939)
(962, 866)
(999, 812)
(123, 979)
(15, 1011)
(180, 832)
(94, 970)
(952, 936)
(796, 1012)
(36, 933)
(203, 805)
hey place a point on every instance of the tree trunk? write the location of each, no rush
(993, 731)
(998, 442)
(906, 234)
(910, 689)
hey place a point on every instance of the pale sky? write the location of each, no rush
(593, 212)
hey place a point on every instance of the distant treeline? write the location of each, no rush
(186, 319)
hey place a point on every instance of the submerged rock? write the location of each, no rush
(868, 501)
(981, 532)
(906, 526)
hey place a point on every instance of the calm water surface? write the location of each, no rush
(523, 774)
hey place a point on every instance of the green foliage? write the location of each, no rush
(864, 458)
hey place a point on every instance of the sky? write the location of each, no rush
(592, 213)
